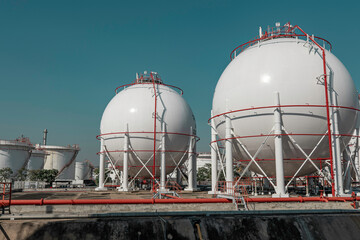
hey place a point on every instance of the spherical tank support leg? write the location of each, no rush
(192, 186)
(279, 160)
(125, 182)
(101, 168)
(228, 155)
(214, 162)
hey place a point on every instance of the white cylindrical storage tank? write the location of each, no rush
(37, 158)
(62, 159)
(15, 154)
(82, 171)
(140, 109)
(282, 62)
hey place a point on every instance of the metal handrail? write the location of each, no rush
(98, 137)
(142, 83)
(282, 106)
(286, 31)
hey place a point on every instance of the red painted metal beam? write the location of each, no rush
(116, 201)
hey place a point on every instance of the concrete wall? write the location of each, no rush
(208, 225)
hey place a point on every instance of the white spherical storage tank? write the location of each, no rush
(15, 154)
(284, 70)
(37, 158)
(62, 159)
(146, 114)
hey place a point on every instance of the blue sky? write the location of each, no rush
(60, 61)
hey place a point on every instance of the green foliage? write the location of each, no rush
(5, 174)
(204, 173)
(34, 175)
(46, 175)
(22, 174)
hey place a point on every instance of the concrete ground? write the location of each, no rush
(230, 225)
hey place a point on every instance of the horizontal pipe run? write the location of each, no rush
(173, 201)
(304, 199)
(115, 201)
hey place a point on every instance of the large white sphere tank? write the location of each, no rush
(132, 110)
(293, 68)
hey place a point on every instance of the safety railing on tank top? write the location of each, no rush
(286, 31)
(150, 84)
(150, 79)
(18, 140)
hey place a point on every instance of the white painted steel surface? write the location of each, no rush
(82, 171)
(291, 67)
(101, 168)
(14, 155)
(214, 158)
(279, 157)
(135, 106)
(36, 160)
(62, 159)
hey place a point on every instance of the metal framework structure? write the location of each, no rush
(6, 197)
(336, 176)
(158, 185)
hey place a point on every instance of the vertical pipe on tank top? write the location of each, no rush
(45, 136)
